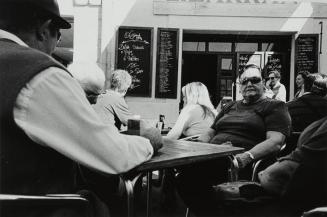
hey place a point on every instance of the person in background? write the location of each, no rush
(197, 114)
(111, 105)
(47, 123)
(300, 83)
(91, 78)
(275, 89)
(300, 178)
(311, 106)
(256, 123)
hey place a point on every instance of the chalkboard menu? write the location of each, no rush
(134, 54)
(167, 63)
(248, 58)
(275, 63)
(306, 53)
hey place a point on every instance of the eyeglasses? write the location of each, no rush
(271, 78)
(254, 80)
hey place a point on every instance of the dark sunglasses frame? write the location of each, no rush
(254, 80)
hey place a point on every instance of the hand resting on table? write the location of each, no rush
(153, 134)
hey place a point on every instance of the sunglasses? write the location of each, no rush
(253, 80)
(271, 78)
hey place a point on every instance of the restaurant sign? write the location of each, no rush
(234, 8)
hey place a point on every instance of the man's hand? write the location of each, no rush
(243, 159)
(153, 134)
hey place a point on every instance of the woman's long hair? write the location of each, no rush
(197, 93)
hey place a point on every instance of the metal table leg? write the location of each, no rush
(233, 170)
(129, 186)
(148, 194)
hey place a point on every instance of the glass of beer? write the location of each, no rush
(133, 125)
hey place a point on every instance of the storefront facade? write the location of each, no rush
(168, 43)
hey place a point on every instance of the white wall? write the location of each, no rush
(101, 32)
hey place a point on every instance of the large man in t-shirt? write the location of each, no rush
(256, 123)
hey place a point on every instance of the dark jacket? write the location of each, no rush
(26, 167)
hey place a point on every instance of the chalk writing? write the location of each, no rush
(134, 55)
(166, 74)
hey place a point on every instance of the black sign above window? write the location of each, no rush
(134, 54)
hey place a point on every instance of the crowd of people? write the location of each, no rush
(53, 117)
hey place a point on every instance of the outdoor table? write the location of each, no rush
(174, 153)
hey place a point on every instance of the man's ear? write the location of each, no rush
(43, 30)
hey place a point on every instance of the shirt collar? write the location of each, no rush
(277, 84)
(7, 35)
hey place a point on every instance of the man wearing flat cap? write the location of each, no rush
(47, 124)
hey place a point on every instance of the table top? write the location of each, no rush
(177, 153)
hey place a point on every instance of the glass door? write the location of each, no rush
(225, 76)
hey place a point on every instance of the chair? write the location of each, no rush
(69, 205)
(290, 145)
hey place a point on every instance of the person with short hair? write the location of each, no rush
(275, 89)
(91, 78)
(111, 105)
(197, 114)
(256, 123)
(47, 124)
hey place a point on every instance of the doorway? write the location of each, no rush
(201, 67)
(225, 76)
(216, 60)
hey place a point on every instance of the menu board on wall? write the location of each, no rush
(306, 53)
(134, 54)
(167, 63)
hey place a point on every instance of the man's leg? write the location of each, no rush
(194, 184)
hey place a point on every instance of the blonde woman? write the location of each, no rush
(197, 114)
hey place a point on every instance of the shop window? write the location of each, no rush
(220, 46)
(267, 46)
(248, 47)
(226, 64)
(194, 46)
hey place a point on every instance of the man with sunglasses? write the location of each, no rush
(275, 89)
(256, 123)
(47, 124)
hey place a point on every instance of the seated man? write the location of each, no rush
(47, 124)
(275, 89)
(111, 105)
(256, 123)
(300, 178)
